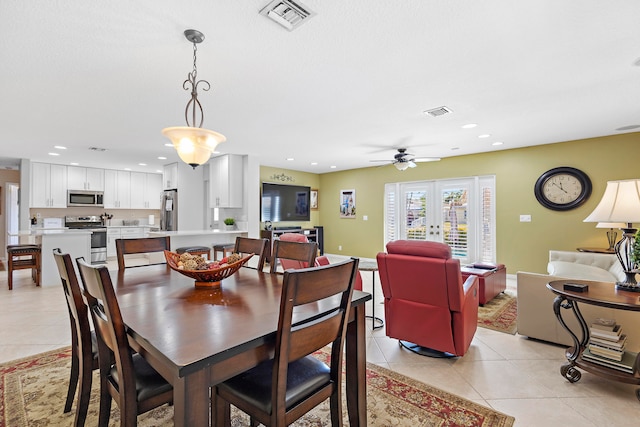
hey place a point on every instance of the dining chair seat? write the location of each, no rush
(149, 383)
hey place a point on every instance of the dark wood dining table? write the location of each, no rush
(197, 337)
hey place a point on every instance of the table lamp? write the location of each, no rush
(611, 235)
(621, 203)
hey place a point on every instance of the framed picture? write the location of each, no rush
(314, 200)
(347, 203)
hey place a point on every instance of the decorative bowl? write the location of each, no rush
(206, 278)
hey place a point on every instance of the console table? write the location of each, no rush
(313, 235)
(601, 294)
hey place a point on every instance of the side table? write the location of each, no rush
(492, 279)
(372, 266)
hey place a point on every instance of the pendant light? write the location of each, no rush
(194, 144)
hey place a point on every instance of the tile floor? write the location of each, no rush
(512, 374)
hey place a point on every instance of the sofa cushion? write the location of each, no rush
(572, 270)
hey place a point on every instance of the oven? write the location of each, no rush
(92, 223)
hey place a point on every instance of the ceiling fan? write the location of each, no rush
(403, 160)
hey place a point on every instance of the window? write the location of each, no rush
(458, 212)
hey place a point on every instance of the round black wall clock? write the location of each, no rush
(562, 188)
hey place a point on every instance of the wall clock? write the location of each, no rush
(562, 188)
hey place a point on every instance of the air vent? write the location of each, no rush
(287, 13)
(437, 112)
(97, 149)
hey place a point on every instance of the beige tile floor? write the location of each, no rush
(512, 374)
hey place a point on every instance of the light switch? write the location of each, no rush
(365, 217)
(525, 218)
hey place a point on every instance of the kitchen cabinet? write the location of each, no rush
(79, 178)
(225, 181)
(146, 190)
(117, 189)
(114, 233)
(48, 186)
(170, 176)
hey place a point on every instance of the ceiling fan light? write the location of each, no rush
(401, 166)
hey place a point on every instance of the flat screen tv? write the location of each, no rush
(281, 202)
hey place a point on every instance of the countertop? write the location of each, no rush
(48, 231)
(193, 232)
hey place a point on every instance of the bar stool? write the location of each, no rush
(225, 248)
(17, 260)
(195, 250)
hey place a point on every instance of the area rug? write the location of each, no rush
(500, 313)
(33, 392)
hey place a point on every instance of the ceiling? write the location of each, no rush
(348, 86)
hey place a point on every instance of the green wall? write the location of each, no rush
(520, 246)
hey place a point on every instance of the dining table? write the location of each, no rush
(198, 337)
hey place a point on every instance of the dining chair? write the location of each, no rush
(279, 391)
(294, 251)
(140, 245)
(84, 347)
(125, 376)
(246, 245)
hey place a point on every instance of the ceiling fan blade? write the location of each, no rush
(426, 159)
(386, 161)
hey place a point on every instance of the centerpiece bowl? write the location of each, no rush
(209, 278)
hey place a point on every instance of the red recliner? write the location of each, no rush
(320, 260)
(426, 302)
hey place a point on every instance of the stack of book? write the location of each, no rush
(607, 346)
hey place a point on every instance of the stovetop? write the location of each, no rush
(89, 221)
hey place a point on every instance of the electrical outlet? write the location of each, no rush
(340, 247)
(38, 215)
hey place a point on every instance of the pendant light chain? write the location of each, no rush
(193, 106)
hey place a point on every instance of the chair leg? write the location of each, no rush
(335, 403)
(105, 403)
(73, 380)
(84, 393)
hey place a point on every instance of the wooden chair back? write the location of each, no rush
(297, 341)
(296, 251)
(246, 245)
(140, 246)
(84, 356)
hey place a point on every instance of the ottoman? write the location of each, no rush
(492, 279)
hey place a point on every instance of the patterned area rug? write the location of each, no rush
(499, 314)
(33, 392)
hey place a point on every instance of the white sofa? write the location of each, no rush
(535, 302)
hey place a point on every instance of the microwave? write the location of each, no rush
(85, 198)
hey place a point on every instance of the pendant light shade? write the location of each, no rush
(194, 145)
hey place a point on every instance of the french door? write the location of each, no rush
(458, 212)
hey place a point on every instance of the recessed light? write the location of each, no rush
(314, 163)
(127, 169)
(142, 164)
(485, 135)
(54, 154)
(168, 144)
(289, 159)
(333, 167)
(74, 164)
(162, 158)
(469, 126)
(159, 171)
(497, 143)
(59, 147)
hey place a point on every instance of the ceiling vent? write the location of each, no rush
(287, 13)
(97, 149)
(437, 112)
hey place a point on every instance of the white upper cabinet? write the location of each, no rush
(79, 178)
(117, 189)
(48, 186)
(225, 181)
(146, 190)
(170, 176)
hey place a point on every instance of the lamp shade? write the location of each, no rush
(611, 225)
(401, 166)
(620, 203)
(194, 145)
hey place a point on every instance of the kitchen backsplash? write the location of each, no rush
(119, 215)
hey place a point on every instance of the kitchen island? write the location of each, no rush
(76, 243)
(199, 237)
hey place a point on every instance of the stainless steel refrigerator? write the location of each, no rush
(169, 211)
